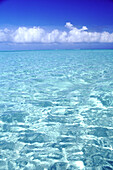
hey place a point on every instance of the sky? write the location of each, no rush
(55, 24)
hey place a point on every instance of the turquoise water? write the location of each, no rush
(56, 110)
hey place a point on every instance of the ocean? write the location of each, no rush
(56, 110)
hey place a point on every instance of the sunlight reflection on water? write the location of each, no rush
(56, 110)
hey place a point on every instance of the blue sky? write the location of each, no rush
(50, 22)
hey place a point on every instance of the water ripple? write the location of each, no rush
(56, 110)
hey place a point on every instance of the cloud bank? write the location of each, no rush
(40, 35)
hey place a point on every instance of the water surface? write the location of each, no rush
(56, 110)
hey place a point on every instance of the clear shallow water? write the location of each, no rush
(56, 110)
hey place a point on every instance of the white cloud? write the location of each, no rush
(3, 35)
(40, 35)
(24, 35)
(69, 25)
(84, 28)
